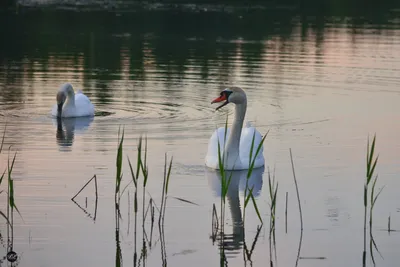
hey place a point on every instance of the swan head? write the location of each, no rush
(66, 90)
(61, 97)
(234, 95)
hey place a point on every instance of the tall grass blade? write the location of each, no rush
(297, 192)
(119, 163)
(132, 173)
(2, 176)
(168, 175)
(248, 197)
(11, 185)
(260, 145)
(146, 169)
(139, 158)
(255, 207)
(186, 201)
(2, 139)
(252, 146)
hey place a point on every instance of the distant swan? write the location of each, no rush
(237, 149)
(71, 104)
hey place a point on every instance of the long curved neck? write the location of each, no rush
(233, 143)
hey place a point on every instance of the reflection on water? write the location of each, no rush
(233, 242)
(320, 76)
(68, 127)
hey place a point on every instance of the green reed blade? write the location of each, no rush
(135, 202)
(220, 160)
(371, 154)
(2, 140)
(376, 197)
(139, 158)
(145, 168)
(2, 176)
(248, 197)
(260, 145)
(168, 175)
(371, 164)
(145, 152)
(368, 167)
(132, 173)
(365, 195)
(11, 184)
(119, 163)
(373, 189)
(371, 173)
(225, 184)
(273, 204)
(256, 207)
(252, 146)
(144, 172)
(126, 186)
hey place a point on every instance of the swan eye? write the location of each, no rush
(226, 93)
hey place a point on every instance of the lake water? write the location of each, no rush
(320, 81)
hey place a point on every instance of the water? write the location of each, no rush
(319, 80)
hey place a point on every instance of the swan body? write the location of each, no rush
(71, 103)
(235, 152)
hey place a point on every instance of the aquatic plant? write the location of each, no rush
(369, 177)
(249, 172)
(11, 255)
(300, 210)
(94, 178)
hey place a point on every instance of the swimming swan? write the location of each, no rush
(237, 149)
(71, 104)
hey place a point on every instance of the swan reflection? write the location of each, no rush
(234, 242)
(67, 128)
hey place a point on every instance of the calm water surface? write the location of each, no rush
(320, 83)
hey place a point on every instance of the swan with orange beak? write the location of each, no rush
(238, 151)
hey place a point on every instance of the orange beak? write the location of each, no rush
(219, 99)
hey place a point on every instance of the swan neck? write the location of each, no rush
(233, 142)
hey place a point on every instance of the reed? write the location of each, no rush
(9, 217)
(94, 178)
(273, 190)
(297, 190)
(249, 172)
(117, 198)
(370, 183)
(164, 192)
(2, 176)
(300, 210)
(225, 182)
(286, 209)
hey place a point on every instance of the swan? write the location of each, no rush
(71, 103)
(236, 152)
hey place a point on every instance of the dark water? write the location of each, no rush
(319, 77)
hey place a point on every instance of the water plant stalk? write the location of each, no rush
(297, 190)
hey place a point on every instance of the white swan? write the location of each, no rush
(71, 104)
(236, 152)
